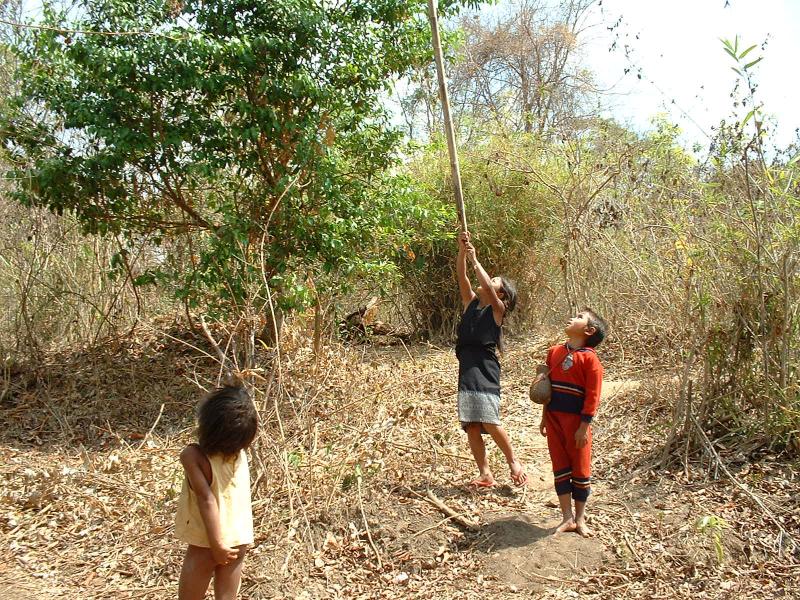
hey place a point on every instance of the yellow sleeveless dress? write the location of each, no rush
(230, 484)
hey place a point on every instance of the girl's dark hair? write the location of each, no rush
(227, 421)
(510, 300)
(509, 293)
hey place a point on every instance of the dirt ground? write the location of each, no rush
(352, 445)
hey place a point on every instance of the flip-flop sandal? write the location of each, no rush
(479, 483)
(521, 478)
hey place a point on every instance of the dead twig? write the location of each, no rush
(759, 502)
(631, 548)
(223, 360)
(150, 431)
(427, 529)
(426, 451)
(413, 360)
(366, 524)
(530, 575)
(458, 518)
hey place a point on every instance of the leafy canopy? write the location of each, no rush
(246, 138)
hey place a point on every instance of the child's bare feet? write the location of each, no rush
(568, 524)
(582, 528)
(518, 474)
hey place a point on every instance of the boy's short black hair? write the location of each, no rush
(600, 328)
(227, 421)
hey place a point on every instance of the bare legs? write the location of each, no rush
(567, 518)
(478, 448)
(199, 567)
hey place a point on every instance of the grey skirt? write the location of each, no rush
(478, 407)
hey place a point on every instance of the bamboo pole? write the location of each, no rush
(448, 121)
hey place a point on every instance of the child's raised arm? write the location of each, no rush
(498, 307)
(464, 286)
(198, 472)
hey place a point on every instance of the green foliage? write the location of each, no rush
(732, 49)
(508, 212)
(750, 380)
(248, 139)
(714, 527)
(690, 262)
(540, 210)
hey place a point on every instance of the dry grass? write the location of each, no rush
(351, 440)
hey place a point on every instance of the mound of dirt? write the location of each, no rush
(522, 551)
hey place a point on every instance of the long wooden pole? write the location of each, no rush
(448, 120)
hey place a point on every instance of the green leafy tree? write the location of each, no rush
(246, 139)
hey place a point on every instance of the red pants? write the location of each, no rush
(572, 466)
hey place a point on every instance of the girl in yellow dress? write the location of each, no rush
(214, 512)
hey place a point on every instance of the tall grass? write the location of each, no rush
(62, 288)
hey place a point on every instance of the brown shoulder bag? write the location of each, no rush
(540, 387)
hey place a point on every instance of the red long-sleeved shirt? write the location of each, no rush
(575, 390)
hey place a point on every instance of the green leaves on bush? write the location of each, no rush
(250, 138)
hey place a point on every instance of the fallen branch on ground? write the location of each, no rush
(458, 518)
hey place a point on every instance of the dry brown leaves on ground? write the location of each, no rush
(352, 442)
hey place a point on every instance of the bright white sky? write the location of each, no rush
(685, 72)
(681, 59)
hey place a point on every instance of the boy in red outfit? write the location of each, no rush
(576, 376)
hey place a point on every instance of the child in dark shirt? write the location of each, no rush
(479, 335)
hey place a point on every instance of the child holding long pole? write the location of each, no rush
(479, 335)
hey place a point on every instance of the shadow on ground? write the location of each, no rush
(515, 531)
